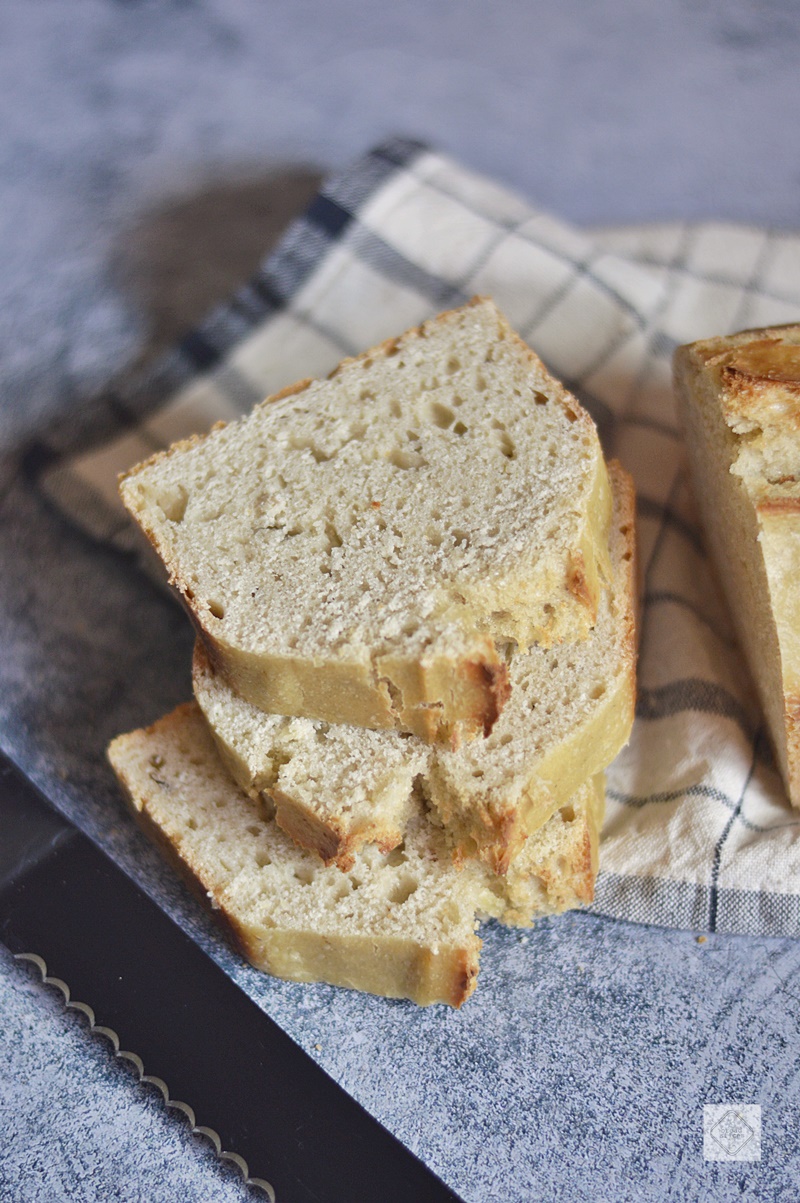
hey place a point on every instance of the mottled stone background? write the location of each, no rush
(149, 153)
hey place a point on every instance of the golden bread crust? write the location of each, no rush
(740, 398)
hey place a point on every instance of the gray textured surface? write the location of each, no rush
(149, 153)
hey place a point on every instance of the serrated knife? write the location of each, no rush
(303, 1138)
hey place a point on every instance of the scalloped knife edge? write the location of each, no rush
(157, 990)
(97, 1029)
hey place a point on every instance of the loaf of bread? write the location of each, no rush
(354, 550)
(400, 924)
(337, 787)
(740, 400)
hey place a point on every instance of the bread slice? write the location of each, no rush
(354, 548)
(557, 867)
(740, 400)
(332, 787)
(401, 925)
(571, 712)
(336, 787)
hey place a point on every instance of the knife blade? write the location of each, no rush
(64, 900)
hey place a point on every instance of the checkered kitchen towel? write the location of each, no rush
(698, 831)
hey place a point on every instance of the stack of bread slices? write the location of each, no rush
(413, 590)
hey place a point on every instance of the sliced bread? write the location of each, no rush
(557, 867)
(332, 787)
(571, 712)
(401, 924)
(336, 787)
(354, 548)
(740, 400)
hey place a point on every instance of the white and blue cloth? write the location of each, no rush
(698, 833)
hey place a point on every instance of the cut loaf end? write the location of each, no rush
(739, 397)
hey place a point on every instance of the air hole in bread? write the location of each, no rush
(341, 890)
(460, 428)
(217, 609)
(567, 814)
(254, 829)
(508, 649)
(477, 774)
(453, 365)
(173, 503)
(395, 408)
(433, 536)
(406, 459)
(191, 824)
(304, 444)
(480, 382)
(263, 860)
(304, 874)
(332, 535)
(540, 398)
(505, 444)
(397, 856)
(403, 890)
(597, 692)
(441, 415)
(457, 400)
(452, 912)
(460, 537)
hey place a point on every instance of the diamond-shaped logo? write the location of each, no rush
(732, 1132)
